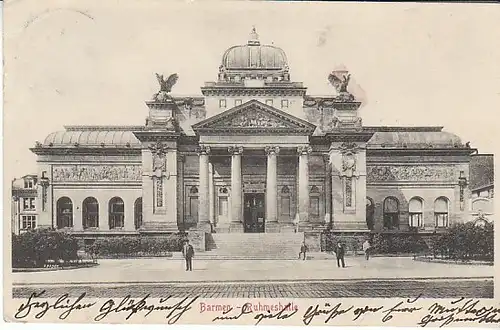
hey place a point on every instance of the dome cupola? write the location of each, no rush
(254, 57)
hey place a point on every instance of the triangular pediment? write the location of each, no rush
(254, 117)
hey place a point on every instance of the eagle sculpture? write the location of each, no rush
(166, 84)
(339, 84)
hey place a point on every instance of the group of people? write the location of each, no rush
(339, 251)
(188, 253)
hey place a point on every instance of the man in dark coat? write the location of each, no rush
(188, 253)
(340, 252)
(303, 250)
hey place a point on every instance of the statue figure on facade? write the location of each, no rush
(340, 81)
(165, 87)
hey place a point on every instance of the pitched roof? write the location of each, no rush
(481, 171)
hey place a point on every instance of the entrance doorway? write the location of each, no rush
(254, 212)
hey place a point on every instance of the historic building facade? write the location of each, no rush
(254, 153)
(482, 187)
(24, 211)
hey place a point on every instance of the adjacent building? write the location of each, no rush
(481, 186)
(24, 212)
(254, 153)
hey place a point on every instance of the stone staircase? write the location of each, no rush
(254, 246)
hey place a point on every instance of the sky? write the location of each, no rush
(93, 62)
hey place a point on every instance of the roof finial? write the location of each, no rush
(254, 37)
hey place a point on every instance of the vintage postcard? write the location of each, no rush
(247, 162)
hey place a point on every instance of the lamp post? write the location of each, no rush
(462, 183)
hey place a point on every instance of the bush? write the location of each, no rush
(466, 241)
(34, 248)
(398, 243)
(136, 246)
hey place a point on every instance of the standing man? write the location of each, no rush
(366, 247)
(303, 250)
(188, 253)
(340, 252)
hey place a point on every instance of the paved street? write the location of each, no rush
(379, 277)
(304, 289)
(168, 271)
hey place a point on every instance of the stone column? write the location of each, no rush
(272, 190)
(211, 193)
(77, 213)
(328, 192)
(103, 213)
(44, 198)
(303, 195)
(203, 191)
(129, 224)
(236, 224)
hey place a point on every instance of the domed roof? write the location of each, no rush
(253, 55)
(414, 139)
(93, 137)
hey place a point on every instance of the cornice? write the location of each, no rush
(253, 91)
(418, 151)
(102, 128)
(85, 151)
(254, 131)
(153, 136)
(344, 136)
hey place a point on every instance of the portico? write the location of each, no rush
(250, 141)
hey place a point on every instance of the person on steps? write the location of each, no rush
(340, 252)
(303, 250)
(367, 247)
(188, 253)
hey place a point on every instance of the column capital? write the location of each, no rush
(203, 150)
(235, 150)
(304, 150)
(272, 150)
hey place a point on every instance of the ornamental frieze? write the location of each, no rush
(253, 92)
(96, 173)
(252, 119)
(410, 173)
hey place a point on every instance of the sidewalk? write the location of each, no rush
(164, 270)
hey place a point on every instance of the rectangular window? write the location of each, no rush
(193, 207)
(28, 184)
(237, 102)
(285, 205)
(223, 208)
(416, 220)
(441, 219)
(348, 192)
(314, 206)
(284, 103)
(28, 222)
(269, 102)
(29, 204)
(222, 103)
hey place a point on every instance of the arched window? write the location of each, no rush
(370, 212)
(416, 207)
(64, 212)
(138, 213)
(116, 213)
(90, 209)
(391, 213)
(441, 212)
